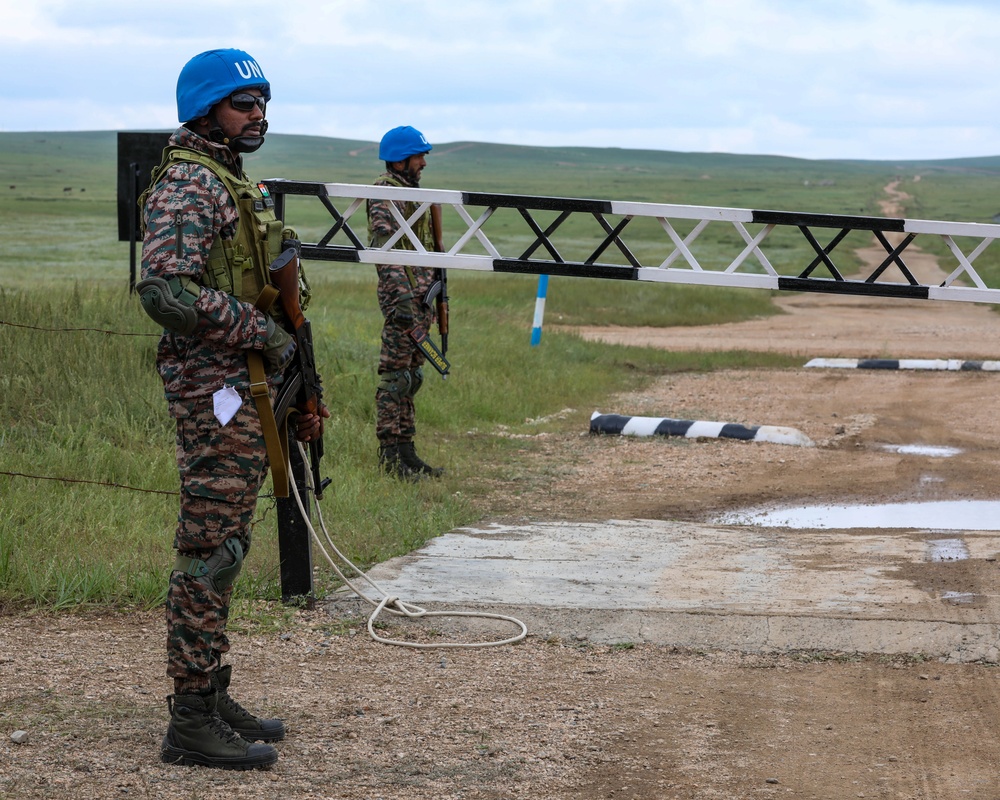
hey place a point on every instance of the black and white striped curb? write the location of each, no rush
(619, 425)
(954, 364)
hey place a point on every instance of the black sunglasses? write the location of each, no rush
(244, 101)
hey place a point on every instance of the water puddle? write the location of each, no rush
(947, 550)
(934, 451)
(948, 515)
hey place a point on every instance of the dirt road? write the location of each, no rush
(563, 718)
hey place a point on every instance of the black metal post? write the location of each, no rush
(279, 205)
(138, 154)
(133, 199)
(294, 544)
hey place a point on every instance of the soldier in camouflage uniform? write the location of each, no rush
(202, 269)
(401, 293)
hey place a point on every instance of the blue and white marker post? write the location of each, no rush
(536, 327)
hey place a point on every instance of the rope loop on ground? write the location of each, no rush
(389, 603)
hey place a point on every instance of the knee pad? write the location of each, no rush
(416, 380)
(397, 384)
(217, 572)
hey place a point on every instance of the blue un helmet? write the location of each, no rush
(213, 75)
(401, 143)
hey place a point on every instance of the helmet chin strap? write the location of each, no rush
(410, 175)
(238, 144)
(249, 144)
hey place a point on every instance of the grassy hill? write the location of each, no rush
(39, 163)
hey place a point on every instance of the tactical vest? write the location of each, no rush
(422, 228)
(237, 266)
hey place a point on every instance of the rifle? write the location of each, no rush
(302, 388)
(439, 289)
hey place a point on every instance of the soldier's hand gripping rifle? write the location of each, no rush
(302, 390)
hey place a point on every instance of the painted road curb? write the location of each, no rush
(953, 364)
(619, 425)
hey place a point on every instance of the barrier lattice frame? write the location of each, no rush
(748, 268)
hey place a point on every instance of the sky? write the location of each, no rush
(817, 79)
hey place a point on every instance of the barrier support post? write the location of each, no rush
(536, 327)
(294, 544)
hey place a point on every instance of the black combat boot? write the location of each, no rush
(391, 462)
(250, 727)
(197, 735)
(408, 455)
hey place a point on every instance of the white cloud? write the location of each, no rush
(824, 78)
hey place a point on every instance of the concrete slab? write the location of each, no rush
(712, 586)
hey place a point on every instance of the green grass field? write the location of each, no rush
(87, 479)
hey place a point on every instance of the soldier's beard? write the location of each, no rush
(249, 144)
(240, 144)
(413, 176)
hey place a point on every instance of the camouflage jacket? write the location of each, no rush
(215, 354)
(382, 224)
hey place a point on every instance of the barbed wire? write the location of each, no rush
(80, 480)
(83, 480)
(267, 502)
(71, 330)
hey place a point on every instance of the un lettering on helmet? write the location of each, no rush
(248, 69)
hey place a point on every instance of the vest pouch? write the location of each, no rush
(217, 272)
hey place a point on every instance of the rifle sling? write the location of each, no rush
(409, 277)
(275, 433)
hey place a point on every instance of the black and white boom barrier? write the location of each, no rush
(633, 241)
(619, 425)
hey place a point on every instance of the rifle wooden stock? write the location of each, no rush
(285, 277)
(436, 228)
(442, 311)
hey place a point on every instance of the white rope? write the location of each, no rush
(392, 605)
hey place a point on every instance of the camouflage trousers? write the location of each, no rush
(221, 469)
(395, 418)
